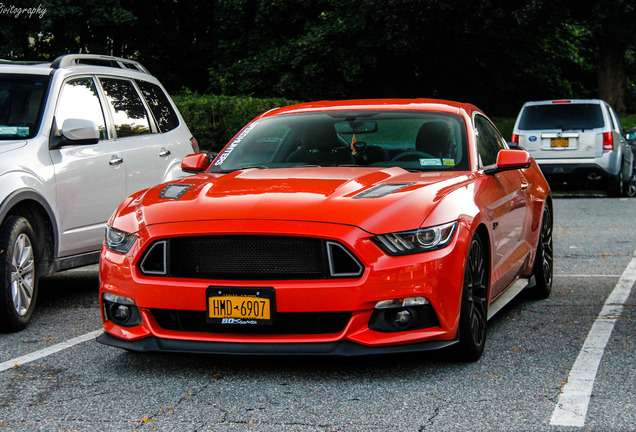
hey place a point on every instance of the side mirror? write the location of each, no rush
(510, 160)
(630, 136)
(195, 163)
(79, 131)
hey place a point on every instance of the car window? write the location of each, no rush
(21, 105)
(164, 114)
(129, 113)
(489, 141)
(418, 141)
(79, 100)
(615, 122)
(564, 116)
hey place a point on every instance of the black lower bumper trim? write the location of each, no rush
(343, 348)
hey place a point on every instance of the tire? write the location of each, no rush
(474, 304)
(18, 274)
(615, 190)
(543, 271)
(630, 187)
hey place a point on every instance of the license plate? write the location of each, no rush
(559, 142)
(242, 306)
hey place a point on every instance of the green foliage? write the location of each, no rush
(495, 54)
(214, 120)
(505, 126)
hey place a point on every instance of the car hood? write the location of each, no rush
(373, 199)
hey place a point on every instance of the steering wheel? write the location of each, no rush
(412, 155)
(361, 147)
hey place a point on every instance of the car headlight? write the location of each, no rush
(420, 240)
(119, 241)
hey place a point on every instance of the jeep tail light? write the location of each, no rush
(515, 139)
(194, 144)
(608, 141)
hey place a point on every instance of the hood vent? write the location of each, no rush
(382, 190)
(174, 191)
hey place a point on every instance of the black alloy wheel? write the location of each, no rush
(18, 276)
(474, 306)
(544, 261)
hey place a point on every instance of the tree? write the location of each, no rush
(611, 23)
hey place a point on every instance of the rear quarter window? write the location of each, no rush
(160, 106)
(562, 116)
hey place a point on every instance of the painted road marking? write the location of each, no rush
(49, 350)
(571, 409)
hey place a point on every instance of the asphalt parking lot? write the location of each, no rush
(541, 359)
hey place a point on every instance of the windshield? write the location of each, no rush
(562, 116)
(413, 140)
(21, 105)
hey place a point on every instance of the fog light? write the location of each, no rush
(121, 313)
(403, 319)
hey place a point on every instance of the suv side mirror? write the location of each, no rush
(195, 163)
(510, 160)
(78, 132)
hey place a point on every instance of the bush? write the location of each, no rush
(214, 120)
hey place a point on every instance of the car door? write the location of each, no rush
(505, 197)
(147, 154)
(89, 179)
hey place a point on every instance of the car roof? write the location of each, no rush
(436, 105)
(74, 63)
(564, 101)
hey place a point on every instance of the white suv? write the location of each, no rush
(577, 144)
(77, 136)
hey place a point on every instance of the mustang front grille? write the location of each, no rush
(249, 258)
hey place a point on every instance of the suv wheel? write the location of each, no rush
(18, 276)
(630, 187)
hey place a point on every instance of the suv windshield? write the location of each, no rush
(562, 116)
(411, 140)
(21, 105)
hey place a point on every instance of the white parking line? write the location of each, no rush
(571, 409)
(49, 350)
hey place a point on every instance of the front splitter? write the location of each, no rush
(341, 348)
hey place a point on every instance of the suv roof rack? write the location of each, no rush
(97, 60)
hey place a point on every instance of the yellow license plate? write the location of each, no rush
(240, 305)
(559, 142)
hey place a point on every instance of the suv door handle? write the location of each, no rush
(115, 160)
(524, 185)
(164, 152)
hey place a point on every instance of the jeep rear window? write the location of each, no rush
(21, 105)
(570, 116)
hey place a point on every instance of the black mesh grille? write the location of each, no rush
(284, 323)
(252, 258)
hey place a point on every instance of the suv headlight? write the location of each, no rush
(119, 241)
(417, 241)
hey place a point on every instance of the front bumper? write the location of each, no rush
(340, 348)
(435, 275)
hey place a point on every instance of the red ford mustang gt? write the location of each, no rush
(350, 227)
